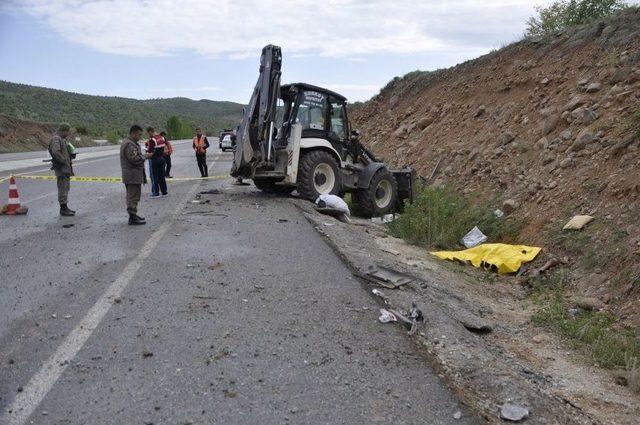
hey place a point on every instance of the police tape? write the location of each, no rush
(115, 179)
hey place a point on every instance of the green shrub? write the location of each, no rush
(439, 218)
(112, 136)
(563, 14)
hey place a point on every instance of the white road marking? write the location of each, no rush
(41, 383)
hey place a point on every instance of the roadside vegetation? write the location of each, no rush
(596, 334)
(439, 217)
(563, 14)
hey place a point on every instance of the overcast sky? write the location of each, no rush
(210, 48)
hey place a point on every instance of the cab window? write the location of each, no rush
(311, 111)
(338, 128)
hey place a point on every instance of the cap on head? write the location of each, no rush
(64, 127)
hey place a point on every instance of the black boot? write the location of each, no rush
(65, 211)
(134, 219)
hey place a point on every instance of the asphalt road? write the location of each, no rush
(233, 311)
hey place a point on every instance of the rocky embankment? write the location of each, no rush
(545, 128)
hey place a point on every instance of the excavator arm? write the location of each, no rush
(256, 127)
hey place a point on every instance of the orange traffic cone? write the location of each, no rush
(14, 207)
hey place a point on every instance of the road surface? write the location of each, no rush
(233, 311)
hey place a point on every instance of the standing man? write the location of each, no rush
(61, 163)
(133, 176)
(200, 146)
(168, 151)
(155, 148)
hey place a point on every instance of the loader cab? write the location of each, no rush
(321, 113)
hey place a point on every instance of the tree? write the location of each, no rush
(563, 14)
(177, 128)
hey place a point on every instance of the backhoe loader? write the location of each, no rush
(298, 137)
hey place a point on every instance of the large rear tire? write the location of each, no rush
(318, 173)
(380, 197)
(270, 186)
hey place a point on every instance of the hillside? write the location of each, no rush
(545, 129)
(99, 114)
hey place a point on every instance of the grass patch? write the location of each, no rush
(593, 333)
(439, 218)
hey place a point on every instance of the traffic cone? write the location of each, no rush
(14, 198)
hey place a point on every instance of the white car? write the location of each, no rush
(226, 143)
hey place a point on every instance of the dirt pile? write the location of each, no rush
(545, 129)
(17, 135)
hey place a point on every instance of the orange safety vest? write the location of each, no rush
(199, 144)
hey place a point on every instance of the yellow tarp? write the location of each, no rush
(497, 256)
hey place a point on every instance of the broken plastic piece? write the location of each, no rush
(513, 412)
(474, 238)
(386, 316)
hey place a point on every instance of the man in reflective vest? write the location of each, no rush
(155, 147)
(200, 146)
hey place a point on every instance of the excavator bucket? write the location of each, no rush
(251, 146)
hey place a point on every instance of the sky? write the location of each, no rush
(210, 49)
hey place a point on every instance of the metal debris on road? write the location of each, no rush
(513, 412)
(146, 353)
(387, 277)
(66, 226)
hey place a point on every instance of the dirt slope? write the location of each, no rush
(18, 135)
(548, 125)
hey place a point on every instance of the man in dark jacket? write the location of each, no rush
(133, 176)
(61, 164)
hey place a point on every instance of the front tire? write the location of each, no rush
(270, 186)
(318, 173)
(380, 197)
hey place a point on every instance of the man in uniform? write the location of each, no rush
(200, 146)
(133, 176)
(155, 147)
(61, 163)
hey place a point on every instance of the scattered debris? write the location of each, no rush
(578, 222)
(68, 225)
(474, 238)
(200, 201)
(549, 264)
(387, 218)
(386, 316)
(215, 266)
(190, 266)
(117, 300)
(334, 206)
(513, 412)
(588, 303)
(498, 213)
(146, 354)
(457, 415)
(390, 251)
(210, 192)
(283, 220)
(387, 277)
